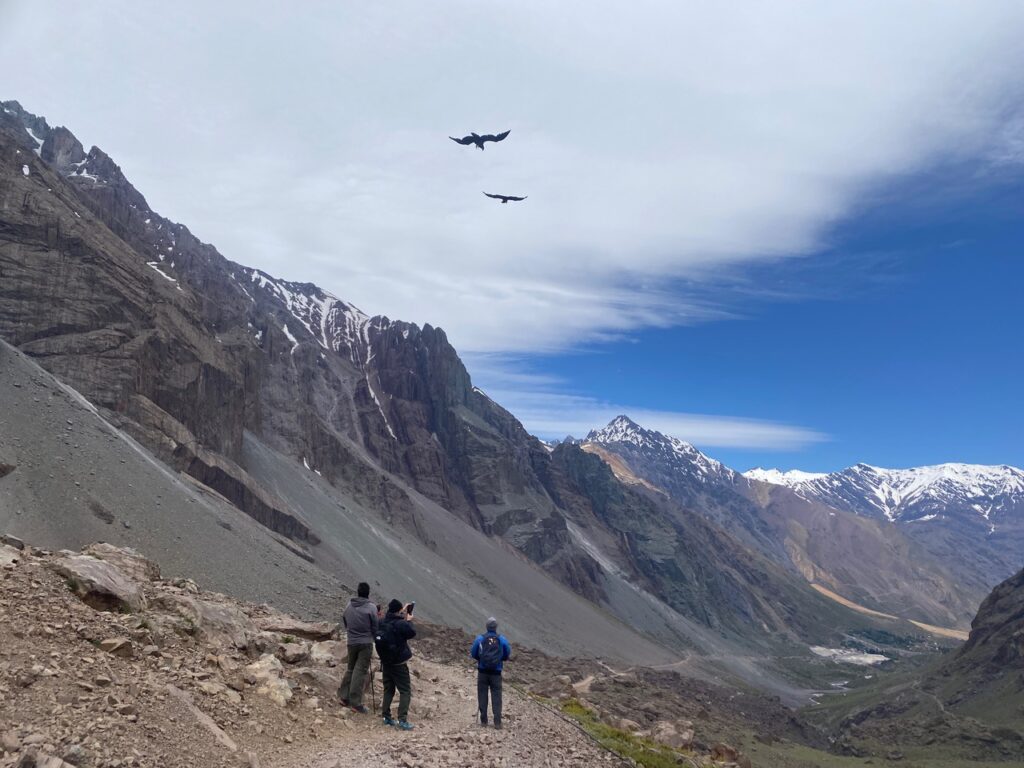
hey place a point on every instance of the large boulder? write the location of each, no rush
(330, 653)
(324, 681)
(558, 687)
(677, 735)
(265, 675)
(214, 622)
(34, 759)
(9, 556)
(293, 653)
(288, 625)
(724, 753)
(99, 583)
(131, 563)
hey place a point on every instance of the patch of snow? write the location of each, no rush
(292, 339)
(156, 268)
(37, 140)
(381, 409)
(847, 656)
(25, 170)
(790, 478)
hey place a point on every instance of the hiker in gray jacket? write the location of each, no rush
(360, 619)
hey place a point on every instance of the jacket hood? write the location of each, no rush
(359, 601)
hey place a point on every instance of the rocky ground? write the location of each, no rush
(104, 664)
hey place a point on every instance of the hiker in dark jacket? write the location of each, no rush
(491, 651)
(360, 619)
(393, 648)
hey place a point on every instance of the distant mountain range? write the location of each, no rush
(954, 510)
(893, 532)
(921, 494)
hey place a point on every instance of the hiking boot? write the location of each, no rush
(388, 721)
(346, 703)
(360, 709)
(483, 720)
(497, 725)
(405, 725)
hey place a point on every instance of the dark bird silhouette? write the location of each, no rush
(475, 138)
(505, 198)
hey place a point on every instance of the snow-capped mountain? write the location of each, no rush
(992, 494)
(834, 529)
(674, 453)
(790, 478)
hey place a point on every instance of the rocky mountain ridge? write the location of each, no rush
(868, 563)
(950, 509)
(918, 494)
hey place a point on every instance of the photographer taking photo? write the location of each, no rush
(392, 642)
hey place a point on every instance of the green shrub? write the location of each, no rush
(644, 752)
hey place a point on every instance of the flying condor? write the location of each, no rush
(475, 138)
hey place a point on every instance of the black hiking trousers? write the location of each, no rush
(489, 682)
(396, 677)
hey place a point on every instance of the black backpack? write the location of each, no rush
(386, 644)
(491, 652)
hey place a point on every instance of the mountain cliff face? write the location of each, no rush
(859, 559)
(970, 703)
(949, 509)
(215, 367)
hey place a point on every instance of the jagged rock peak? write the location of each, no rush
(622, 430)
(62, 150)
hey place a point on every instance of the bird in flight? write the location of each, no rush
(475, 138)
(505, 198)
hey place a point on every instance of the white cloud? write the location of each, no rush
(543, 406)
(658, 142)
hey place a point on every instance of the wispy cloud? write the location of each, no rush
(545, 407)
(659, 143)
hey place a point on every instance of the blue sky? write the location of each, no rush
(903, 343)
(787, 232)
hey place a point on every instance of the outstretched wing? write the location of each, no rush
(496, 197)
(464, 140)
(510, 197)
(492, 137)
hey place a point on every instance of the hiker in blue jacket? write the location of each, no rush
(491, 651)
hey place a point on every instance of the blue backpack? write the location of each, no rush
(491, 653)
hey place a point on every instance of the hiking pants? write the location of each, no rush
(352, 685)
(396, 676)
(488, 681)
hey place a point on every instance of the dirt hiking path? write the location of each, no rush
(447, 732)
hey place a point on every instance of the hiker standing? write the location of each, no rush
(393, 649)
(491, 651)
(360, 619)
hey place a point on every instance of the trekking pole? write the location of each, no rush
(373, 692)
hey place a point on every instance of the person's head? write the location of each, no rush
(395, 606)
(363, 590)
(492, 624)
